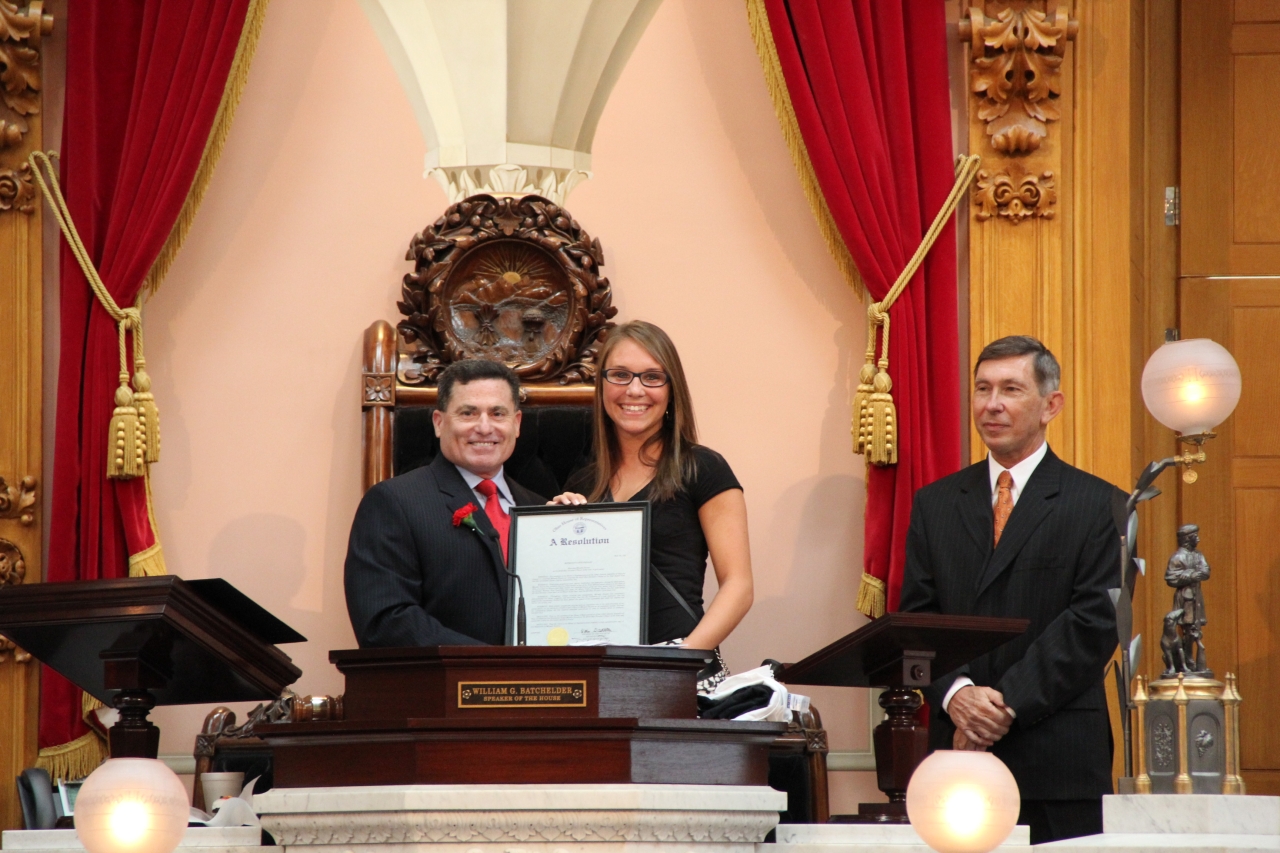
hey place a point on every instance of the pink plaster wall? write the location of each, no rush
(254, 339)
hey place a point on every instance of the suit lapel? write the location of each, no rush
(1034, 505)
(458, 494)
(974, 505)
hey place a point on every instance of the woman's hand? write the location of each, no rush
(724, 523)
(567, 499)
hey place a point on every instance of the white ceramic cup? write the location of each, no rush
(219, 785)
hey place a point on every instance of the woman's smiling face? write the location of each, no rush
(635, 409)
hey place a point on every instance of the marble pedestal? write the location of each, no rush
(1155, 823)
(216, 839)
(860, 837)
(521, 818)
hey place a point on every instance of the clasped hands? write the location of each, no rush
(980, 715)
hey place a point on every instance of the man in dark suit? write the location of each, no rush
(1024, 534)
(420, 570)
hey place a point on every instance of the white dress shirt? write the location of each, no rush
(504, 494)
(1021, 473)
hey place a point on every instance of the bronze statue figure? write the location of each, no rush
(1184, 650)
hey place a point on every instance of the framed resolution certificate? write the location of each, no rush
(585, 573)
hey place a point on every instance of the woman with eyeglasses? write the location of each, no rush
(646, 448)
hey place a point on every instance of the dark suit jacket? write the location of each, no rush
(412, 578)
(1058, 556)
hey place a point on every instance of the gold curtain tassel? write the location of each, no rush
(882, 441)
(126, 445)
(860, 411)
(148, 414)
(872, 600)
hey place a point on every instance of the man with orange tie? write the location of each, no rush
(1024, 534)
(426, 561)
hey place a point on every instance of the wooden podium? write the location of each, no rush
(134, 643)
(900, 652)
(520, 714)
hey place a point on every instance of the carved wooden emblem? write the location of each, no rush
(379, 389)
(513, 280)
(1015, 194)
(1016, 57)
(13, 568)
(18, 501)
(17, 192)
(20, 32)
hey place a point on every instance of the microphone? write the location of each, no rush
(521, 629)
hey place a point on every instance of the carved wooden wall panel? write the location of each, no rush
(1051, 223)
(21, 32)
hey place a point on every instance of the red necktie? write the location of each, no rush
(493, 509)
(1004, 502)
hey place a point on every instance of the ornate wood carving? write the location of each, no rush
(513, 279)
(1015, 194)
(17, 191)
(379, 389)
(20, 33)
(17, 502)
(1016, 49)
(13, 570)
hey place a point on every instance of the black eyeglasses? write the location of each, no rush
(649, 379)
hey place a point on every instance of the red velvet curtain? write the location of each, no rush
(868, 83)
(145, 79)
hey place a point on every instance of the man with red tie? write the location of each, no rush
(426, 561)
(1024, 534)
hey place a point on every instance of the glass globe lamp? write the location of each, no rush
(131, 805)
(963, 802)
(1191, 386)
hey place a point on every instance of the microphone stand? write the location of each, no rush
(521, 629)
(521, 635)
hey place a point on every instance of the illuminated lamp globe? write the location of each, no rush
(1191, 386)
(962, 801)
(131, 805)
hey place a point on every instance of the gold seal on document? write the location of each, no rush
(557, 637)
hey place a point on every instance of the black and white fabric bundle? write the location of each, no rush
(751, 695)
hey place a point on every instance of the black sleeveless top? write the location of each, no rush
(677, 546)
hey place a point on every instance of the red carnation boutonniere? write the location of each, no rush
(466, 515)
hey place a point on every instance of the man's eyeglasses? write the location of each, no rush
(649, 379)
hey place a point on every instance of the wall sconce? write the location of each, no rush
(1191, 387)
(131, 805)
(963, 801)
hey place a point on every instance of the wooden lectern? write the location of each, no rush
(134, 643)
(900, 652)
(520, 714)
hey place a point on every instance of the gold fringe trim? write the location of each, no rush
(871, 596)
(148, 563)
(88, 704)
(74, 760)
(758, 20)
(236, 79)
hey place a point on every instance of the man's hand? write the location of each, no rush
(980, 713)
(960, 742)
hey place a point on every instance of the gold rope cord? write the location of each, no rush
(875, 419)
(758, 20)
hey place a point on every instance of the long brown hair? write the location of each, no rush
(672, 443)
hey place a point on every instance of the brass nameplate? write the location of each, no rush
(522, 694)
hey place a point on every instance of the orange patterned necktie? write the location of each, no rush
(1004, 502)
